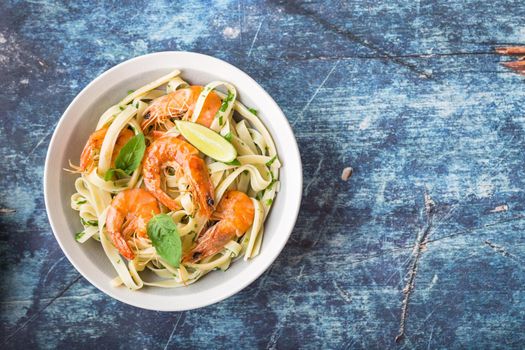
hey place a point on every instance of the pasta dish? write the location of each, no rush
(176, 181)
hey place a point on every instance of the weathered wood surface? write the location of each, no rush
(408, 93)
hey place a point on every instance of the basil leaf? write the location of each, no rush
(112, 172)
(165, 238)
(131, 154)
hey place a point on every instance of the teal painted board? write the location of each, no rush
(410, 94)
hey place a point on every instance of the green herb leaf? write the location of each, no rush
(228, 136)
(234, 162)
(112, 172)
(270, 162)
(130, 92)
(271, 183)
(253, 110)
(131, 154)
(220, 120)
(259, 195)
(79, 235)
(269, 202)
(83, 201)
(89, 222)
(121, 108)
(165, 238)
(226, 101)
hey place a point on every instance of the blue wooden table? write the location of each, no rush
(427, 234)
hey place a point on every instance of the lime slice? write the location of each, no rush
(207, 141)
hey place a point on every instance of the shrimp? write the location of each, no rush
(168, 149)
(235, 213)
(130, 212)
(519, 65)
(94, 143)
(180, 104)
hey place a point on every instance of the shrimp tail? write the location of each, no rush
(169, 202)
(122, 246)
(114, 223)
(94, 142)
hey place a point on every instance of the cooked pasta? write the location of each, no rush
(176, 203)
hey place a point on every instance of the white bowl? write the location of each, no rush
(79, 120)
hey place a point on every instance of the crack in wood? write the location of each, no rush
(173, 330)
(380, 57)
(503, 251)
(39, 312)
(342, 293)
(467, 231)
(419, 246)
(294, 7)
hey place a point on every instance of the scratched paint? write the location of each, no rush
(409, 94)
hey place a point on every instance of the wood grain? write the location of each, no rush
(410, 94)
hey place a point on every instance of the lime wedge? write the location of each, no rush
(207, 141)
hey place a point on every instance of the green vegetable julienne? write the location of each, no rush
(228, 137)
(228, 99)
(165, 238)
(79, 235)
(268, 163)
(89, 222)
(253, 110)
